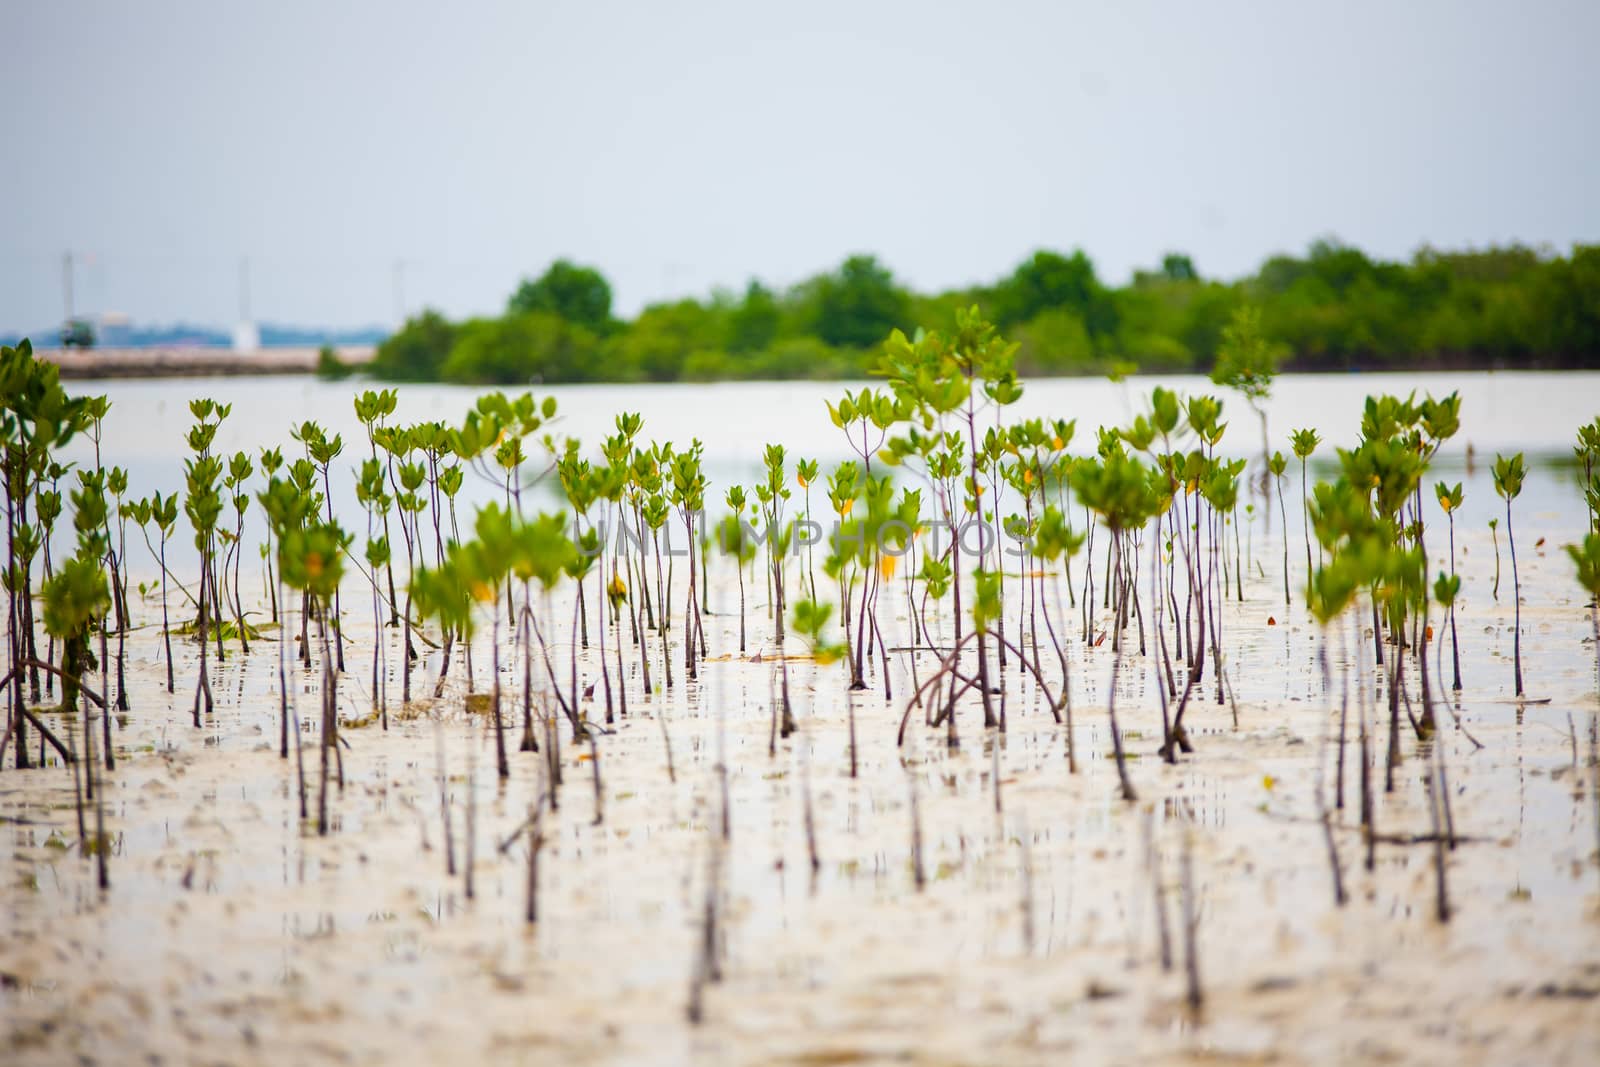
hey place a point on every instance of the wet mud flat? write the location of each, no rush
(232, 933)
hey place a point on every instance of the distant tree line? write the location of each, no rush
(1334, 308)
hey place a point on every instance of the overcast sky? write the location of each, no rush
(683, 146)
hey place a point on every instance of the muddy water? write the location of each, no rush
(234, 934)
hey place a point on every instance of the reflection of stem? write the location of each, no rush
(444, 793)
(1191, 926)
(502, 763)
(1455, 649)
(1111, 697)
(918, 873)
(1152, 857)
(810, 815)
(1495, 535)
(1516, 598)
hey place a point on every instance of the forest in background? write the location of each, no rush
(1335, 308)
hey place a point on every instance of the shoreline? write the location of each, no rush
(199, 361)
(196, 361)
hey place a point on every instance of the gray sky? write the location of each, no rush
(682, 146)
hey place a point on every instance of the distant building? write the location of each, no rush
(246, 338)
(113, 329)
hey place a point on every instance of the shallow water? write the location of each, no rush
(232, 933)
(1531, 412)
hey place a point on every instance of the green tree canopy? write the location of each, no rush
(1049, 280)
(1332, 307)
(858, 304)
(535, 346)
(581, 295)
(753, 323)
(417, 351)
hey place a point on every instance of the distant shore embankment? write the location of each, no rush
(186, 362)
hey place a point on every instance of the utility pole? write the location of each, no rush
(66, 286)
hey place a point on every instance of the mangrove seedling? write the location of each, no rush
(74, 599)
(1117, 488)
(1586, 558)
(322, 451)
(805, 473)
(1450, 502)
(810, 623)
(163, 513)
(311, 559)
(733, 541)
(1247, 362)
(1509, 473)
(1276, 466)
(1446, 590)
(203, 505)
(286, 509)
(1494, 534)
(374, 498)
(688, 495)
(1304, 443)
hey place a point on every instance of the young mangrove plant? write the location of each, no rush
(1494, 536)
(1052, 541)
(1450, 502)
(372, 408)
(372, 494)
(482, 569)
(1586, 558)
(75, 599)
(322, 451)
(1446, 590)
(1247, 362)
(203, 506)
(311, 560)
(810, 624)
(1329, 592)
(239, 471)
(805, 474)
(1587, 453)
(735, 542)
(865, 418)
(1304, 443)
(845, 562)
(1509, 473)
(286, 509)
(688, 495)
(162, 512)
(937, 382)
(1276, 466)
(1117, 488)
(271, 460)
(117, 560)
(36, 418)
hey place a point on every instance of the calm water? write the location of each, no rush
(253, 939)
(1532, 412)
